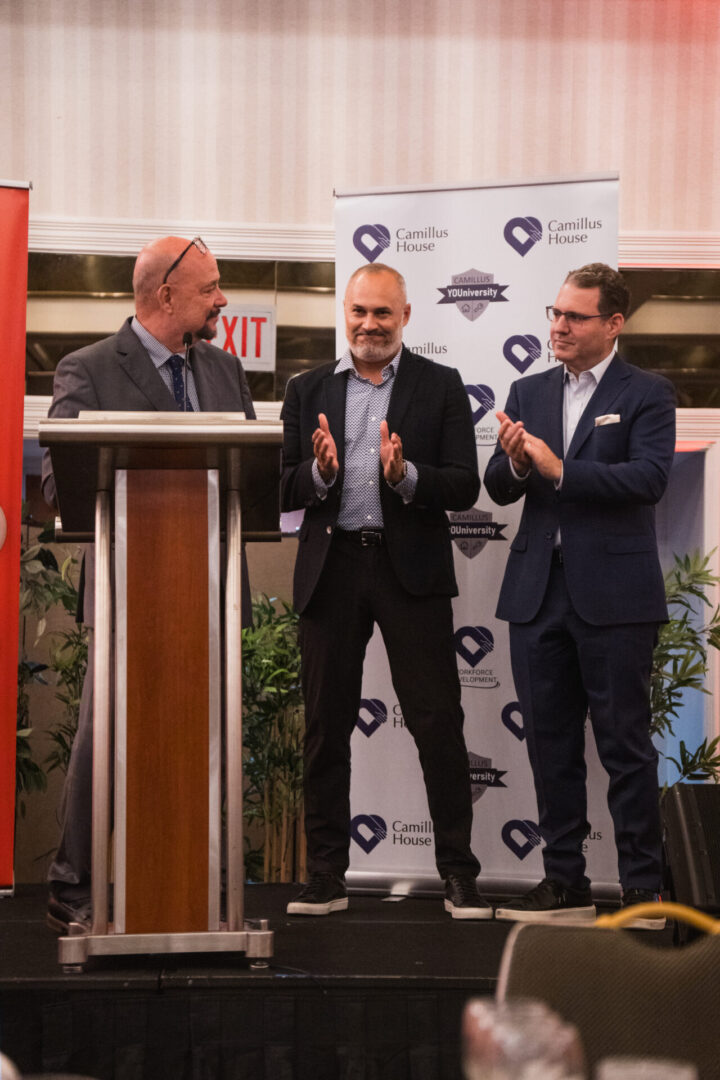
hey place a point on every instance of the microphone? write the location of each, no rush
(187, 342)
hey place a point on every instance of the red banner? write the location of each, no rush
(13, 294)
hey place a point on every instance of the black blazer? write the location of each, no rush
(430, 411)
(117, 374)
(613, 474)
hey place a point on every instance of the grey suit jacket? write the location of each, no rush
(117, 374)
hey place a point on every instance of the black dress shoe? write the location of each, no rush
(463, 900)
(550, 902)
(61, 913)
(323, 894)
(632, 897)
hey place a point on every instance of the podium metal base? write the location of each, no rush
(255, 942)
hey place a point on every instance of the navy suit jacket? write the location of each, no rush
(117, 375)
(430, 411)
(613, 474)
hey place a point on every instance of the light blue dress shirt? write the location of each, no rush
(366, 406)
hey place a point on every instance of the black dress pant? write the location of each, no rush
(358, 588)
(562, 667)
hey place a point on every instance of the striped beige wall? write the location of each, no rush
(250, 112)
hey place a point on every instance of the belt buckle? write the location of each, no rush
(370, 537)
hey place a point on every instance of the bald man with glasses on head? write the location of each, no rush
(588, 446)
(141, 368)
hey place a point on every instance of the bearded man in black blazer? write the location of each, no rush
(177, 293)
(588, 445)
(377, 447)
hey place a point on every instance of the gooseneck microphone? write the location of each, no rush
(187, 342)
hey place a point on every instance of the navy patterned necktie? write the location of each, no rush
(176, 367)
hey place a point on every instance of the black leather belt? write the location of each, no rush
(557, 557)
(364, 537)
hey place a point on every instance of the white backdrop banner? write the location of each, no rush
(480, 266)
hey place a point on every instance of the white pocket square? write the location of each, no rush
(608, 418)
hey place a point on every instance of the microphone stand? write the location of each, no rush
(187, 342)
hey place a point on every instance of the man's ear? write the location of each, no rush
(616, 323)
(164, 298)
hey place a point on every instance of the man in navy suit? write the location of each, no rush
(177, 293)
(588, 445)
(377, 447)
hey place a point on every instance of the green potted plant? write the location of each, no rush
(273, 729)
(29, 775)
(45, 584)
(680, 660)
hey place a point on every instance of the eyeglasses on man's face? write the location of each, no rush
(573, 318)
(195, 242)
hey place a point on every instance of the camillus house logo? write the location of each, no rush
(368, 830)
(371, 241)
(522, 350)
(521, 837)
(471, 292)
(373, 714)
(483, 775)
(470, 530)
(523, 233)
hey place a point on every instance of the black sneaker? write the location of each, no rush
(631, 897)
(61, 913)
(463, 900)
(550, 902)
(322, 894)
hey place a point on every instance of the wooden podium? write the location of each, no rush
(164, 487)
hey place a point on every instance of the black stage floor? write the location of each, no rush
(374, 993)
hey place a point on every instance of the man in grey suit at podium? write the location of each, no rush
(178, 300)
(588, 446)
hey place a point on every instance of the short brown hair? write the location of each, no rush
(614, 293)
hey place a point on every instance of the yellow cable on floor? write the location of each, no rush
(667, 908)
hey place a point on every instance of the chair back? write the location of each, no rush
(625, 995)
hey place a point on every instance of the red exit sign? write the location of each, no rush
(248, 332)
